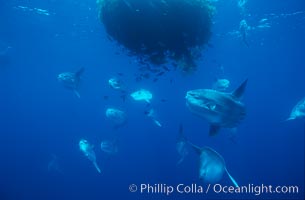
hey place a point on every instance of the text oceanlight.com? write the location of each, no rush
(212, 188)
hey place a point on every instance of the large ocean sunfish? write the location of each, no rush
(220, 109)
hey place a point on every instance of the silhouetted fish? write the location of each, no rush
(123, 97)
(165, 68)
(160, 74)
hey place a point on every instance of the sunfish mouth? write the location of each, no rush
(194, 100)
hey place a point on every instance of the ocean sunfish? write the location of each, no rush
(71, 80)
(110, 146)
(221, 84)
(118, 117)
(220, 109)
(116, 84)
(142, 95)
(211, 165)
(53, 165)
(243, 31)
(88, 151)
(153, 116)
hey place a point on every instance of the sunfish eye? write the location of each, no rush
(196, 96)
(193, 95)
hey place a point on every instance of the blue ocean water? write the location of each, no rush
(40, 120)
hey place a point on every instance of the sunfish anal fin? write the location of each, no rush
(180, 160)
(290, 118)
(76, 93)
(232, 179)
(238, 93)
(157, 122)
(181, 136)
(96, 167)
(214, 129)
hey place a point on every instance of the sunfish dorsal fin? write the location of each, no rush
(196, 148)
(238, 93)
(181, 136)
(79, 72)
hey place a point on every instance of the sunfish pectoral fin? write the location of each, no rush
(240, 90)
(76, 93)
(245, 41)
(96, 167)
(232, 179)
(214, 129)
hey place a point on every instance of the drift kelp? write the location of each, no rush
(159, 31)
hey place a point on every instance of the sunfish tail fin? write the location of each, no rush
(96, 167)
(232, 179)
(238, 93)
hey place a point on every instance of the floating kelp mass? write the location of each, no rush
(159, 32)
